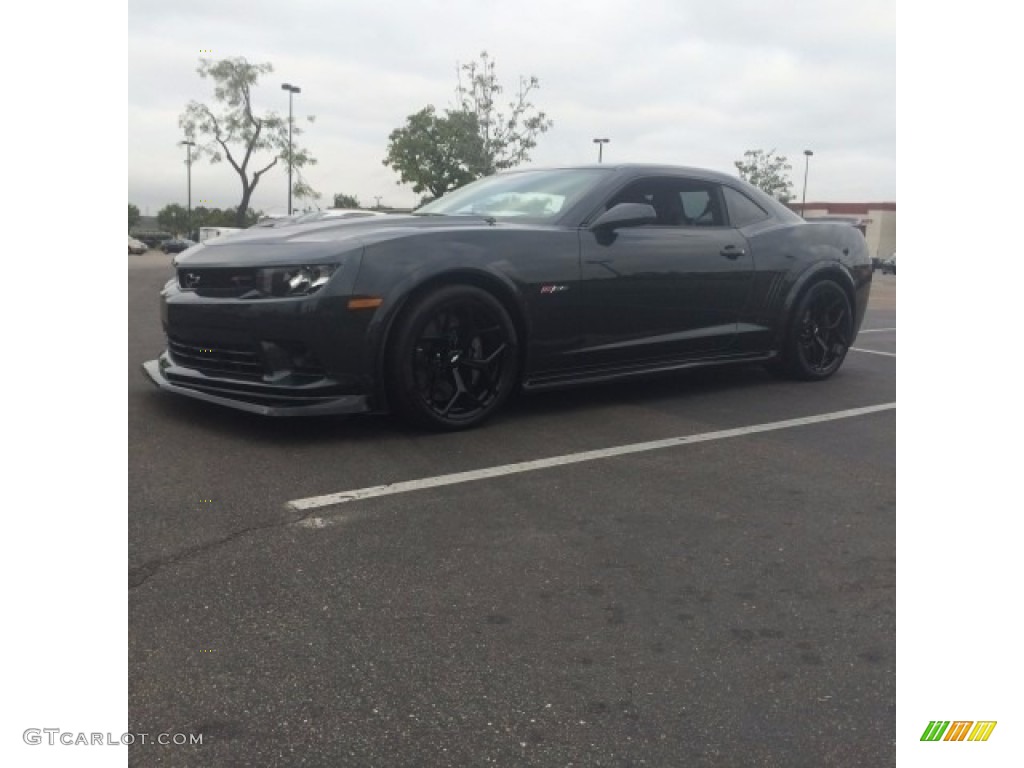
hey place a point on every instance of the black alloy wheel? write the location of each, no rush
(454, 360)
(820, 333)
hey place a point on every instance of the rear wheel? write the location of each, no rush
(454, 358)
(820, 332)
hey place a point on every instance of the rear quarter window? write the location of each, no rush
(742, 210)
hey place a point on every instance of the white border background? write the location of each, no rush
(959, 491)
(63, 320)
(63, 317)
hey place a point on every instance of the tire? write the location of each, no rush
(453, 359)
(820, 332)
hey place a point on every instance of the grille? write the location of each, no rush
(253, 362)
(236, 361)
(219, 283)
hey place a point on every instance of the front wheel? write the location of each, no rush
(820, 332)
(454, 359)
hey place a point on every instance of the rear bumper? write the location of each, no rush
(264, 399)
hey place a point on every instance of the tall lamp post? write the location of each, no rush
(600, 148)
(188, 164)
(292, 89)
(807, 162)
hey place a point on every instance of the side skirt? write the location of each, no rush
(562, 379)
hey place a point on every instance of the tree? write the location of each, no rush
(237, 125)
(173, 218)
(217, 217)
(133, 215)
(345, 201)
(507, 137)
(302, 190)
(204, 217)
(436, 153)
(768, 172)
(233, 217)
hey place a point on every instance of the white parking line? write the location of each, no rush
(875, 330)
(872, 351)
(315, 502)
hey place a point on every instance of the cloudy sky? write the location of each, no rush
(673, 81)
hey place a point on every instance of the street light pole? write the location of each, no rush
(600, 148)
(807, 162)
(188, 164)
(292, 89)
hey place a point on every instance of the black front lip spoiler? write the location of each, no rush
(344, 404)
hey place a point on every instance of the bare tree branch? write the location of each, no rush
(237, 124)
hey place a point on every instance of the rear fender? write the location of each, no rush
(835, 271)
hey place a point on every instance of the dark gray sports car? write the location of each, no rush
(531, 278)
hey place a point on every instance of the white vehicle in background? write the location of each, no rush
(208, 233)
(329, 213)
(337, 213)
(136, 246)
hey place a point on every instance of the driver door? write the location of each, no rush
(665, 292)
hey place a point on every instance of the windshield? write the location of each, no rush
(533, 194)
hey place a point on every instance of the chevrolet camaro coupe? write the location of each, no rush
(527, 279)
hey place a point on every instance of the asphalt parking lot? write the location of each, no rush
(728, 601)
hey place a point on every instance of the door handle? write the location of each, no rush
(732, 252)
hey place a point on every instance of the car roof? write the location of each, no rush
(639, 167)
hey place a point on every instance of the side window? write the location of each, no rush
(678, 202)
(636, 192)
(742, 210)
(700, 207)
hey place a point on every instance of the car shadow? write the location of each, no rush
(522, 409)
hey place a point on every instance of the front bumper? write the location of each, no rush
(264, 399)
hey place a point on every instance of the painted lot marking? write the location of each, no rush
(315, 502)
(872, 351)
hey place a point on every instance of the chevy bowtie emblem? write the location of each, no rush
(553, 288)
(192, 279)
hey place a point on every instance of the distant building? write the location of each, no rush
(876, 220)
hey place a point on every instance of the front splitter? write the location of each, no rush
(345, 404)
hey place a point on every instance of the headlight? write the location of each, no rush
(256, 282)
(295, 281)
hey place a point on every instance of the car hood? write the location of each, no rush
(320, 240)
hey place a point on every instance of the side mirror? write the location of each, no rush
(625, 215)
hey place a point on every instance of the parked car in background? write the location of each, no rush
(532, 279)
(136, 246)
(175, 245)
(152, 238)
(889, 265)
